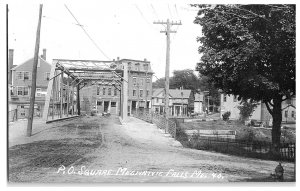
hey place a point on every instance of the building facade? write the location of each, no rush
(198, 103)
(181, 102)
(106, 98)
(21, 86)
(261, 113)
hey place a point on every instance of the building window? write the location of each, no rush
(235, 98)
(115, 91)
(98, 90)
(225, 98)
(47, 76)
(286, 114)
(113, 104)
(99, 103)
(134, 93)
(146, 67)
(134, 80)
(147, 93)
(137, 66)
(293, 114)
(20, 75)
(26, 75)
(157, 101)
(163, 100)
(38, 92)
(148, 80)
(141, 93)
(141, 82)
(22, 106)
(25, 91)
(109, 91)
(20, 90)
(103, 91)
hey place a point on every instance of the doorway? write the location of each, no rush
(106, 104)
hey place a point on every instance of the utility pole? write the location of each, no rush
(34, 71)
(167, 32)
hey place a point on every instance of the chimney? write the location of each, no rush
(118, 58)
(10, 64)
(44, 54)
(145, 60)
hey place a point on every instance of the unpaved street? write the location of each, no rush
(134, 151)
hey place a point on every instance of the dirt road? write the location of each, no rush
(134, 151)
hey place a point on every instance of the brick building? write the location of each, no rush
(105, 98)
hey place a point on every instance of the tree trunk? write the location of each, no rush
(277, 118)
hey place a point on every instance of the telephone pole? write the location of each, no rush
(167, 32)
(34, 70)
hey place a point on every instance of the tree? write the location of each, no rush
(185, 79)
(246, 108)
(249, 51)
(207, 85)
(159, 83)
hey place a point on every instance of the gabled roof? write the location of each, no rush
(198, 97)
(31, 61)
(157, 91)
(174, 93)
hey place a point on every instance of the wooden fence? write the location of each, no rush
(159, 120)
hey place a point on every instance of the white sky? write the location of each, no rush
(118, 28)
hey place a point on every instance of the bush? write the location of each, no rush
(181, 135)
(226, 115)
(249, 136)
(247, 108)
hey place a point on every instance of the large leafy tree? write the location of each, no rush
(185, 79)
(249, 51)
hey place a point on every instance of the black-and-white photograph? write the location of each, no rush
(150, 92)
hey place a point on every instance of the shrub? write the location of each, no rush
(226, 115)
(246, 109)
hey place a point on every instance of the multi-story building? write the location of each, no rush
(261, 113)
(21, 85)
(181, 102)
(106, 98)
(198, 103)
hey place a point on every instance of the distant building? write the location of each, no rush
(198, 103)
(181, 102)
(261, 113)
(20, 88)
(107, 98)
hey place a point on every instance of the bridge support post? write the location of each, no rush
(125, 92)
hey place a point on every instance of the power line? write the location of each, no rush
(142, 14)
(154, 11)
(94, 43)
(170, 11)
(59, 20)
(81, 26)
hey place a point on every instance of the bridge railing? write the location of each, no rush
(159, 120)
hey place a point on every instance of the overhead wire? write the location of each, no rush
(81, 26)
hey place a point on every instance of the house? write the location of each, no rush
(181, 102)
(107, 98)
(21, 85)
(198, 103)
(231, 103)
